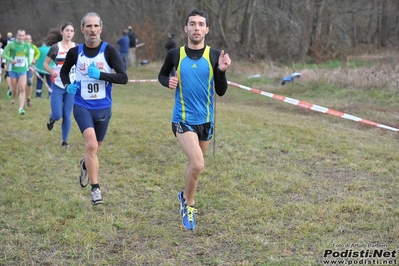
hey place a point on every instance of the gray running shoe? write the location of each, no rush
(84, 177)
(96, 197)
(65, 145)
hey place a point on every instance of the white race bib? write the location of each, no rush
(92, 89)
(20, 61)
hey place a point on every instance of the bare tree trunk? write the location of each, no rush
(354, 32)
(304, 43)
(247, 29)
(319, 10)
(384, 24)
(371, 23)
(244, 28)
(378, 25)
(222, 26)
(397, 22)
(329, 34)
(316, 26)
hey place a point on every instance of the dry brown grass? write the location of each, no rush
(379, 70)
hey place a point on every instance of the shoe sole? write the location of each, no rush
(83, 184)
(97, 202)
(84, 181)
(65, 145)
(181, 203)
(50, 125)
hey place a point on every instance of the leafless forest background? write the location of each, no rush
(277, 30)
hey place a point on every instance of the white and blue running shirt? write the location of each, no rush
(93, 94)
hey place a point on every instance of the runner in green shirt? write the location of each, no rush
(17, 52)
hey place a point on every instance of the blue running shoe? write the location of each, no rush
(181, 201)
(187, 213)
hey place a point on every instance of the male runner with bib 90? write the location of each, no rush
(200, 70)
(98, 65)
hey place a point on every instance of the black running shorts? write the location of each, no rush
(204, 131)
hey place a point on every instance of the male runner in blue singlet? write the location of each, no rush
(200, 70)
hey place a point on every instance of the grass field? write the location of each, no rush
(282, 184)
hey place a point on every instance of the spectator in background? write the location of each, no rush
(44, 49)
(9, 37)
(250, 55)
(170, 44)
(7, 66)
(34, 54)
(3, 41)
(1, 60)
(132, 46)
(124, 43)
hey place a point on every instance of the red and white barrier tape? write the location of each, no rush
(302, 104)
(314, 107)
